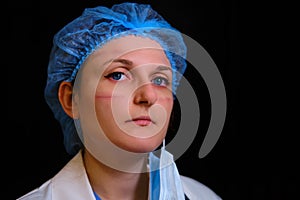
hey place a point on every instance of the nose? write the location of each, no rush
(145, 95)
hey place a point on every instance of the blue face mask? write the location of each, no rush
(166, 175)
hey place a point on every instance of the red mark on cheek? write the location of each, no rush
(166, 99)
(103, 97)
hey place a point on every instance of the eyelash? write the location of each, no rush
(111, 75)
(166, 81)
(163, 80)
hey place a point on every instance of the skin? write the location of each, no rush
(132, 101)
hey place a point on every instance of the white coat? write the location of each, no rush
(71, 183)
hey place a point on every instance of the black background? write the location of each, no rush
(255, 157)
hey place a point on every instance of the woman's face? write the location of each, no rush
(133, 97)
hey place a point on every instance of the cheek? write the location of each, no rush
(162, 111)
(103, 106)
(167, 103)
(102, 101)
(107, 104)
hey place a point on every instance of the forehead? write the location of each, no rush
(130, 43)
(122, 46)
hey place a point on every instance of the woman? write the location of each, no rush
(112, 80)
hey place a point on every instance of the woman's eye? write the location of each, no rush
(160, 81)
(117, 76)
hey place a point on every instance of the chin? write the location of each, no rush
(140, 145)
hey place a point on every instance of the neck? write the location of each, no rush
(111, 183)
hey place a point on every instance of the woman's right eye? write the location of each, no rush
(117, 76)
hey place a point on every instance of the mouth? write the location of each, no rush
(141, 121)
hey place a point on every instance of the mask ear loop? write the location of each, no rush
(170, 182)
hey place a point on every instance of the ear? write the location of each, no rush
(65, 96)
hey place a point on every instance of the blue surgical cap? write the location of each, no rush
(90, 31)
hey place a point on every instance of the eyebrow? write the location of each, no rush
(163, 68)
(130, 63)
(123, 61)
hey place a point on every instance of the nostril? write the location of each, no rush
(144, 102)
(145, 95)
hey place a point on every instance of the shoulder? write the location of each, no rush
(45, 191)
(195, 190)
(71, 182)
(42, 192)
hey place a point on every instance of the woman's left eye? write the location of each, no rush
(117, 76)
(160, 81)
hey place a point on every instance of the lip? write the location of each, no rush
(141, 121)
